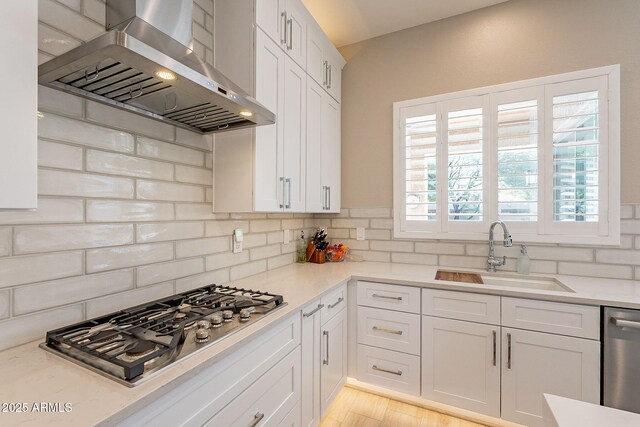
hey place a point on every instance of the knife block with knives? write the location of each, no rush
(317, 247)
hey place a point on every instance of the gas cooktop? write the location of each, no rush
(134, 344)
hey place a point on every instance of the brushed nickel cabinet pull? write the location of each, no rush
(508, 351)
(330, 306)
(326, 360)
(314, 311)
(375, 368)
(387, 331)
(494, 348)
(256, 419)
(386, 297)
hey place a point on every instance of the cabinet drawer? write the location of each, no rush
(557, 318)
(267, 401)
(333, 303)
(389, 369)
(389, 329)
(391, 297)
(461, 305)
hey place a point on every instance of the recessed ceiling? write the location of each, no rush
(350, 21)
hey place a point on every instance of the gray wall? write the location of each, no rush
(516, 40)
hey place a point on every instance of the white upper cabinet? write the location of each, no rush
(324, 63)
(18, 112)
(285, 22)
(323, 150)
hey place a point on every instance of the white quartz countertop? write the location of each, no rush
(563, 412)
(32, 375)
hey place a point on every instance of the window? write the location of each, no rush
(541, 155)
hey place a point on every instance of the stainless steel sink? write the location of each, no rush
(513, 280)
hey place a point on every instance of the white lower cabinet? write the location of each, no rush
(333, 368)
(534, 363)
(461, 364)
(311, 364)
(389, 369)
(267, 401)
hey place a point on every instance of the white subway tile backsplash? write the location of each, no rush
(254, 240)
(217, 277)
(27, 299)
(371, 234)
(164, 231)
(127, 256)
(349, 223)
(280, 261)
(227, 259)
(239, 271)
(5, 305)
(193, 211)
(128, 211)
(48, 211)
(121, 164)
(413, 258)
(391, 246)
(5, 241)
(59, 183)
(94, 9)
(617, 256)
(60, 128)
(206, 246)
(373, 256)
(370, 213)
(195, 140)
(225, 228)
(595, 270)
(462, 261)
(59, 102)
(260, 226)
(120, 119)
(151, 190)
(341, 233)
(80, 27)
(292, 224)
(61, 156)
(73, 4)
(54, 42)
(156, 273)
(194, 175)
(198, 14)
(386, 224)
(264, 252)
(148, 147)
(67, 237)
(111, 303)
(30, 269)
(20, 330)
(207, 5)
(560, 254)
(440, 248)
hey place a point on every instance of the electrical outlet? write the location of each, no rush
(286, 238)
(360, 233)
(237, 247)
(238, 238)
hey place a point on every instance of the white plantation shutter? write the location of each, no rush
(517, 131)
(542, 155)
(419, 155)
(576, 161)
(465, 164)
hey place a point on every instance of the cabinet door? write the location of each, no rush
(333, 371)
(296, 44)
(331, 153)
(295, 107)
(19, 147)
(269, 145)
(315, 54)
(334, 79)
(310, 391)
(270, 17)
(315, 188)
(461, 364)
(534, 363)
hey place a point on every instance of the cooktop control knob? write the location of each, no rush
(202, 335)
(216, 320)
(227, 315)
(245, 315)
(203, 324)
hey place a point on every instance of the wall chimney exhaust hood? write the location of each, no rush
(143, 64)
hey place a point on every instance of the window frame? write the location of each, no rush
(605, 232)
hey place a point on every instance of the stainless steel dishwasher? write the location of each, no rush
(621, 359)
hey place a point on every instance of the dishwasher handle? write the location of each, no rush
(621, 323)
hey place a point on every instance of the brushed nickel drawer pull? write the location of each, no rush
(388, 331)
(375, 368)
(386, 297)
(330, 306)
(494, 348)
(326, 361)
(256, 419)
(314, 311)
(508, 351)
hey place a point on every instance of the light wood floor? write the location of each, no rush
(354, 408)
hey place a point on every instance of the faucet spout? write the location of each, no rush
(492, 261)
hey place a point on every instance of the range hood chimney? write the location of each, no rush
(144, 64)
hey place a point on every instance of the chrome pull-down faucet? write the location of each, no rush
(492, 261)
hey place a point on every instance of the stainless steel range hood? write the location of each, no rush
(143, 64)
